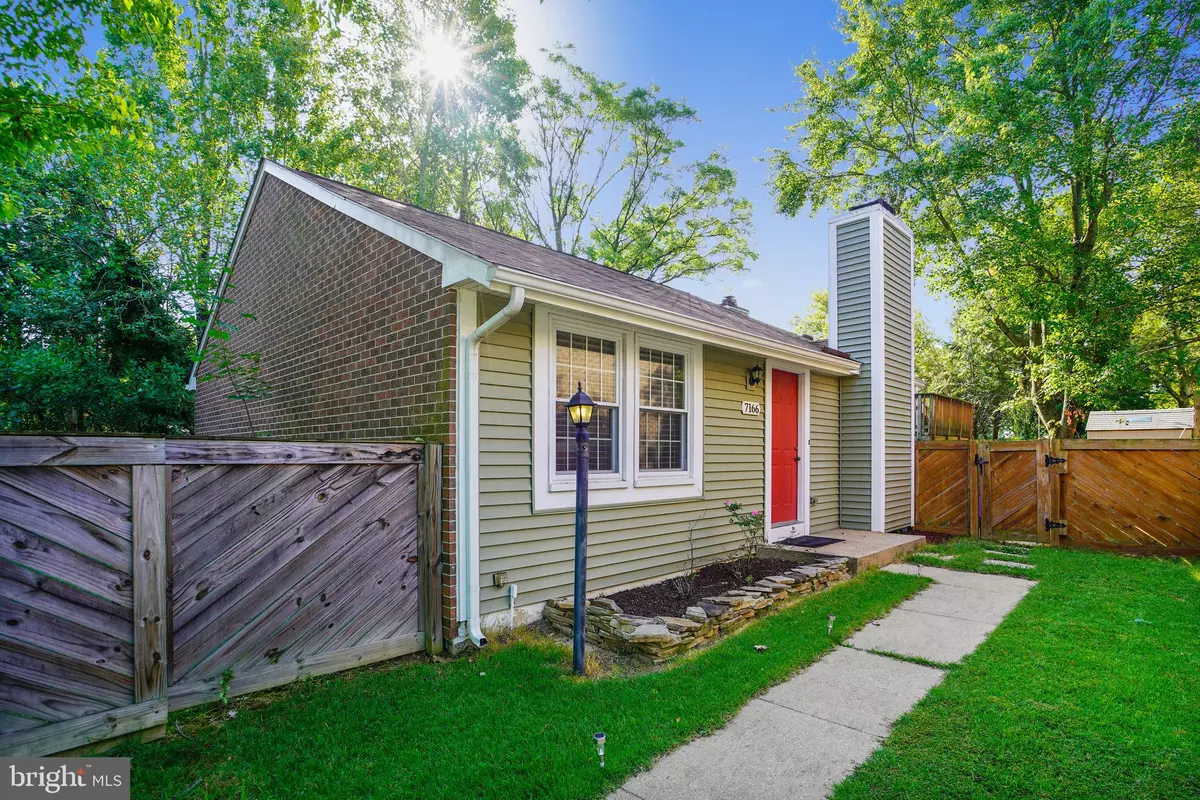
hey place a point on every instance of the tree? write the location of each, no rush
(1024, 143)
(52, 92)
(90, 339)
(593, 139)
(815, 321)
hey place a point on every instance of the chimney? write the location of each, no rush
(871, 318)
(730, 302)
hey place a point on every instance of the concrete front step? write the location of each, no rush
(864, 549)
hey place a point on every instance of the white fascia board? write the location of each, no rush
(831, 311)
(859, 213)
(545, 290)
(878, 374)
(458, 267)
(243, 222)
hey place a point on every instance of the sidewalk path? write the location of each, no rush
(803, 736)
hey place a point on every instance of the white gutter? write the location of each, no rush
(469, 538)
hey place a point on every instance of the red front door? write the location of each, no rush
(785, 440)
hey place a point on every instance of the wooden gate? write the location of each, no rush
(1008, 483)
(138, 575)
(1133, 496)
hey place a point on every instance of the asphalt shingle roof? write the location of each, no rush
(506, 251)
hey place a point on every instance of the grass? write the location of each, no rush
(509, 722)
(1090, 688)
(969, 557)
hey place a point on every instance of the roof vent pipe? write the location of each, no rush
(731, 303)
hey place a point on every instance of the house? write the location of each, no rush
(375, 319)
(1150, 423)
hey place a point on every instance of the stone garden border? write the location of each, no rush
(654, 640)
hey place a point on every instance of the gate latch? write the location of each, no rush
(979, 460)
(1052, 460)
(1051, 524)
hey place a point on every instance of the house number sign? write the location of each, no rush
(751, 409)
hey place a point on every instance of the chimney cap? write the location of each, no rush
(878, 201)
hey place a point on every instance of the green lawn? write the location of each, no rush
(1089, 689)
(508, 723)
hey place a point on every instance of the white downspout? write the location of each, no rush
(470, 540)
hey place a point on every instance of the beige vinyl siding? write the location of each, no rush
(854, 337)
(898, 390)
(823, 450)
(626, 544)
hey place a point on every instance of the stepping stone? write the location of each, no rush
(860, 690)
(971, 580)
(1006, 553)
(961, 603)
(920, 635)
(998, 563)
(767, 752)
(939, 556)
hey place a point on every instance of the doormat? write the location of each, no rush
(811, 541)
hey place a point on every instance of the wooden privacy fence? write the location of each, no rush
(1134, 496)
(141, 575)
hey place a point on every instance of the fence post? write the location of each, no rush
(972, 489)
(429, 544)
(1058, 511)
(149, 582)
(984, 451)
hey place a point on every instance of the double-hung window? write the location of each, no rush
(589, 362)
(662, 409)
(644, 439)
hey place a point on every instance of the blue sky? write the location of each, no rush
(732, 62)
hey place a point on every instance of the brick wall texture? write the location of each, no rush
(355, 334)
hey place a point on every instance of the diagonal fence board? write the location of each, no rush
(1130, 499)
(65, 593)
(1014, 492)
(294, 562)
(943, 502)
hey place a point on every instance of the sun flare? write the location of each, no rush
(443, 58)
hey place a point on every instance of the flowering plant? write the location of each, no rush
(750, 523)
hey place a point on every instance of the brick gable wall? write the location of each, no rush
(356, 335)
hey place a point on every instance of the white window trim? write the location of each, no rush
(556, 492)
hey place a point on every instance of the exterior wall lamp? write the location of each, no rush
(754, 375)
(580, 409)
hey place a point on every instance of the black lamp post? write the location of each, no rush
(580, 408)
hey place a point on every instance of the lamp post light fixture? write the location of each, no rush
(580, 409)
(598, 738)
(829, 628)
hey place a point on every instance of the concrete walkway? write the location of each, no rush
(802, 737)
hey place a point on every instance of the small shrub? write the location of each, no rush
(751, 525)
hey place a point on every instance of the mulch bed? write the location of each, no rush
(671, 598)
(937, 538)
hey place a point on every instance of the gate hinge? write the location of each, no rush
(1051, 524)
(1052, 460)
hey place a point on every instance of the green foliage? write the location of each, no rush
(51, 91)
(1027, 145)
(90, 339)
(598, 144)
(815, 321)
